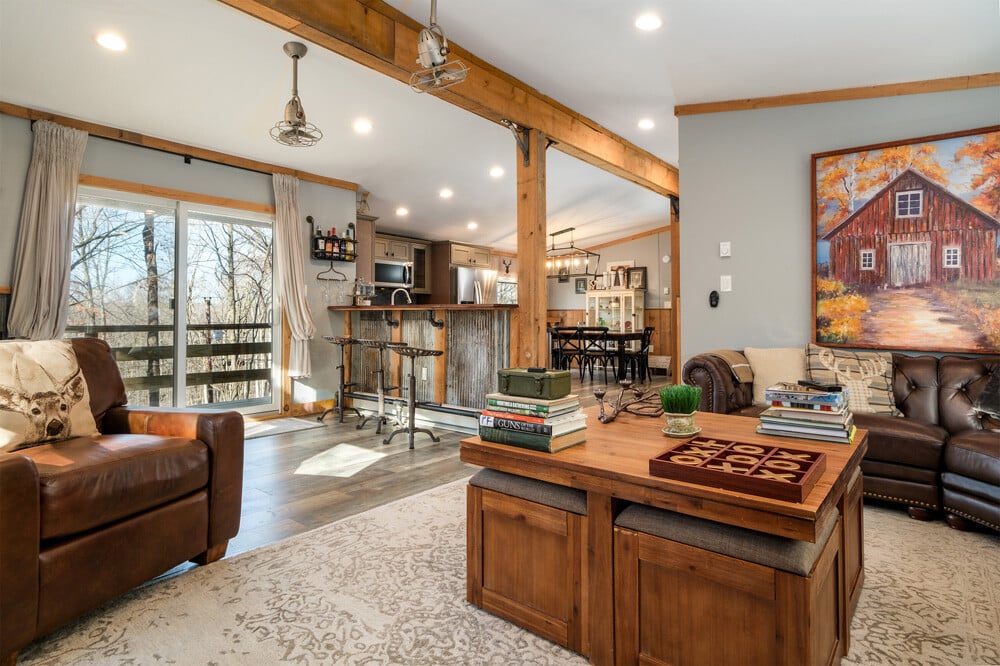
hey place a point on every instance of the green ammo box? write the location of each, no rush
(534, 383)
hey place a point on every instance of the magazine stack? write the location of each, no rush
(808, 412)
(533, 423)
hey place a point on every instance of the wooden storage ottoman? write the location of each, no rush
(692, 591)
(526, 555)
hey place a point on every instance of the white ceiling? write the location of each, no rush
(204, 74)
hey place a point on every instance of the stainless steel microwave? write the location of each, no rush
(393, 274)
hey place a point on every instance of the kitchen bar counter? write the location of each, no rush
(417, 306)
(474, 339)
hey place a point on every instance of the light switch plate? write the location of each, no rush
(725, 283)
(725, 249)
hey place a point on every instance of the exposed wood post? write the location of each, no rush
(532, 297)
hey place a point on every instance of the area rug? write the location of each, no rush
(270, 427)
(388, 587)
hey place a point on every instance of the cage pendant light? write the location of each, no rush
(294, 130)
(566, 260)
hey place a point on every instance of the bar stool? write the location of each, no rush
(382, 388)
(411, 397)
(342, 342)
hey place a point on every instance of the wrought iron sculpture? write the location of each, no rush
(641, 403)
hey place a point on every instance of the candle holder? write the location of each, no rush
(641, 403)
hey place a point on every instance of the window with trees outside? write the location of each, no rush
(183, 293)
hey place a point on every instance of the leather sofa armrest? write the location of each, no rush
(20, 533)
(720, 392)
(222, 432)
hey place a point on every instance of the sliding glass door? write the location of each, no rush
(175, 285)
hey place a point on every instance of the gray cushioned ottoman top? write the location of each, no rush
(532, 490)
(768, 550)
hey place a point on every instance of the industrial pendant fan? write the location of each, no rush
(432, 55)
(294, 130)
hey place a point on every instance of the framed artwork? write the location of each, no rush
(616, 275)
(637, 278)
(581, 285)
(563, 274)
(906, 244)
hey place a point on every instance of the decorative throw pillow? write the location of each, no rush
(770, 366)
(43, 395)
(866, 375)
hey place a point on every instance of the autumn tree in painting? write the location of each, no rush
(986, 153)
(846, 181)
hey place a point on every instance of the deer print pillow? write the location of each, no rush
(43, 395)
(867, 376)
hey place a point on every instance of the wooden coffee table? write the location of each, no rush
(613, 466)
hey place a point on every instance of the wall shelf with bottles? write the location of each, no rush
(329, 246)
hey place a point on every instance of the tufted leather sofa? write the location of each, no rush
(85, 519)
(942, 455)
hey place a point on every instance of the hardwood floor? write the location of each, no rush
(278, 503)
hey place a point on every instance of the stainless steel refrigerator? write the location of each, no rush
(473, 285)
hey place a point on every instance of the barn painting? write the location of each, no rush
(907, 244)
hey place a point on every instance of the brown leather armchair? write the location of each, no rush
(85, 519)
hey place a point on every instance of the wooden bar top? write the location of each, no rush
(417, 306)
(614, 461)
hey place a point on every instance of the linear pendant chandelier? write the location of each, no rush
(565, 260)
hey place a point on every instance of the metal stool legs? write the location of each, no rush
(382, 389)
(339, 407)
(411, 397)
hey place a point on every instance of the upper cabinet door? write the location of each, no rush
(465, 255)
(391, 248)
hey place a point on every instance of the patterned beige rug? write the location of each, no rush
(388, 587)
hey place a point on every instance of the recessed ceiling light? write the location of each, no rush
(648, 22)
(496, 172)
(646, 124)
(445, 193)
(362, 126)
(111, 41)
(472, 225)
(402, 211)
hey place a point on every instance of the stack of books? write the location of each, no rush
(533, 423)
(808, 412)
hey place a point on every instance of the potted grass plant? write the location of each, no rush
(680, 401)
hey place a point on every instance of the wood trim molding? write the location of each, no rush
(137, 139)
(374, 34)
(626, 239)
(844, 94)
(4, 290)
(168, 193)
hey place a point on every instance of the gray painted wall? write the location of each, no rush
(745, 177)
(329, 207)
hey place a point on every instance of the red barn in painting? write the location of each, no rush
(913, 231)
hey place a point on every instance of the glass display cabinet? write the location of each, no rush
(621, 310)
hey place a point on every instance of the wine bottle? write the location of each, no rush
(328, 245)
(336, 244)
(348, 245)
(319, 243)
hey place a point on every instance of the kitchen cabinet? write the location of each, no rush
(389, 247)
(618, 309)
(420, 253)
(470, 255)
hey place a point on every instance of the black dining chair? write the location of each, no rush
(638, 359)
(569, 348)
(596, 349)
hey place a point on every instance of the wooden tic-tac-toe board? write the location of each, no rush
(758, 469)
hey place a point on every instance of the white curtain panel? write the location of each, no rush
(288, 248)
(40, 289)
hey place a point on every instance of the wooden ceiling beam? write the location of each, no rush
(384, 39)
